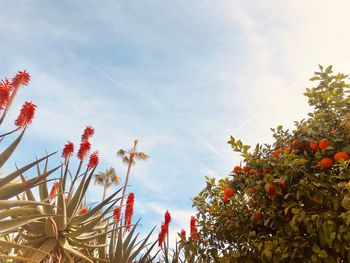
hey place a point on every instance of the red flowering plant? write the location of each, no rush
(58, 225)
(293, 204)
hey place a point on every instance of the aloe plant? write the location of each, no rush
(57, 225)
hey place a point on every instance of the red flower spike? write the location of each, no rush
(129, 210)
(167, 217)
(26, 115)
(183, 234)
(68, 150)
(93, 161)
(83, 150)
(162, 234)
(194, 230)
(88, 132)
(116, 214)
(54, 189)
(5, 90)
(83, 211)
(228, 193)
(21, 78)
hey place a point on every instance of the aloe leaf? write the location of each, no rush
(112, 239)
(118, 256)
(19, 211)
(9, 244)
(28, 191)
(12, 176)
(97, 208)
(13, 224)
(66, 257)
(73, 203)
(80, 244)
(64, 176)
(95, 236)
(5, 155)
(142, 246)
(5, 204)
(46, 248)
(89, 226)
(64, 244)
(21, 259)
(61, 218)
(144, 258)
(102, 251)
(11, 190)
(131, 233)
(80, 193)
(36, 228)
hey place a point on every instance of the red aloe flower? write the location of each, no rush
(116, 214)
(26, 115)
(167, 217)
(68, 150)
(54, 189)
(21, 78)
(5, 89)
(88, 132)
(83, 211)
(162, 234)
(83, 150)
(93, 161)
(183, 234)
(129, 210)
(194, 230)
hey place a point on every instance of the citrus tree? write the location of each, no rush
(289, 201)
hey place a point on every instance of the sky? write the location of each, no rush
(180, 76)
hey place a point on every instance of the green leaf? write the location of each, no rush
(5, 155)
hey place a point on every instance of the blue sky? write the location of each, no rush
(181, 76)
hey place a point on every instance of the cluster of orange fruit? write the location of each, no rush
(325, 162)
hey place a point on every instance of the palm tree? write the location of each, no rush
(128, 157)
(106, 179)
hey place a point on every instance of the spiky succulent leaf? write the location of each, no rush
(6, 154)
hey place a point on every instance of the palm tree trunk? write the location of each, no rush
(105, 189)
(126, 180)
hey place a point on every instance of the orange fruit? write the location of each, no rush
(277, 152)
(341, 155)
(283, 185)
(270, 189)
(237, 169)
(246, 169)
(228, 193)
(251, 190)
(256, 217)
(326, 162)
(324, 144)
(314, 146)
(296, 144)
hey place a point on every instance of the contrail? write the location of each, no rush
(138, 92)
(268, 103)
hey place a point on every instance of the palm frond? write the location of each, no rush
(115, 179)
(125, 160)
(121, 153)
(141, 156)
